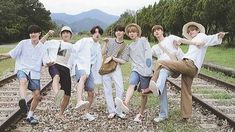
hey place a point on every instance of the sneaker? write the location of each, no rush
(88, 116)
(153, 87)
(82, 105)
(58, 97)
(32, 120)
(137, 118)
(23, 106)
(122, 116)
(121, 105)
(159, 119)
(111, 115)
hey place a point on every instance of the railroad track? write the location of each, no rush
(215, 95)
(9, 97)
(47, 110)
(4, 58)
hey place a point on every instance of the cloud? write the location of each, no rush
(115, 7)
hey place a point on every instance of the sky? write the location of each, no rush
(113, 7)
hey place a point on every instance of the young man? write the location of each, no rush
(59, 52)
(111, 48)
(190, 65)
(164, 50)
(141, 58)
(86, 63)
(29, 55)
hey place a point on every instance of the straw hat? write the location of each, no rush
(133, 25)
(185, 28)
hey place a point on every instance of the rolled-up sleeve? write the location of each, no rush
(212, 40)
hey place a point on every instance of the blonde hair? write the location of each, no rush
(132, 29)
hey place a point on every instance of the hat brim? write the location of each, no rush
(133, 25)
(200, 27)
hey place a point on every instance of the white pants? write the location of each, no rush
(107, 79)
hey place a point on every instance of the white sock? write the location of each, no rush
(30, 114)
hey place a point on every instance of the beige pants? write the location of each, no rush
(188, 71)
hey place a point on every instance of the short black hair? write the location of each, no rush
(97, 27)
(34, 29)
(119, 28)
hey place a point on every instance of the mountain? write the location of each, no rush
(86, 24)
(85, 20)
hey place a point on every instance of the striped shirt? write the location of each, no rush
(113, 47)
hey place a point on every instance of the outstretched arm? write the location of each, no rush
(45, 37)
(5, 55)
(186, 41)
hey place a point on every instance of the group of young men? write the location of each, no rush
(84, 59)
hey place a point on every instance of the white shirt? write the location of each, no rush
(59, 56)
(85, 53)
(197, 54)
(167, 43)
(29, 58)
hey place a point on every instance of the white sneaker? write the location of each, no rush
(153, 87)
(58, 97)
(159, 119)
(137, 118)
(122, 116)
(121, 105)
(111, 115)
(88, 116)
(82, 105)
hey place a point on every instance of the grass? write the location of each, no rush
(205, 91)
(6, 66)
(221, 95)
(4, 49)
(218, 75)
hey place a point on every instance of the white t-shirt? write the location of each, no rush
(167, 43)
(59, 51)
(197, 54)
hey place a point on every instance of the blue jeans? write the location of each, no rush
(161, 84)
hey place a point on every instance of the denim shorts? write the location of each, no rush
(141, 82)
(34, 84)
(89, 85)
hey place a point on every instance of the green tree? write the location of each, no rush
(17, 15)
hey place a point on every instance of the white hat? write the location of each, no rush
(66, 28)
(185, 28)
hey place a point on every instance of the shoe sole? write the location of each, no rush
(120, 104)
(153, 87)
(83, 106)
(23, 106)
(111, 116)
(159, 120)
(58, 97)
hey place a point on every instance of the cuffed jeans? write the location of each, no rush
(161, 84)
